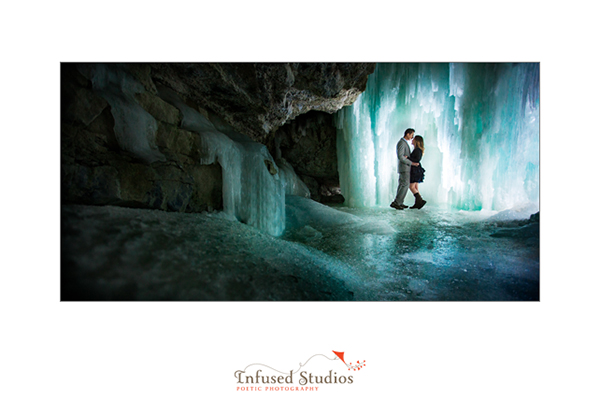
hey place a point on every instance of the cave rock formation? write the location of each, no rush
(159, 165)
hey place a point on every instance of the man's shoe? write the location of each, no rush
(398, 206)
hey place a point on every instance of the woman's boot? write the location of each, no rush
(417, 197)
(419, 202)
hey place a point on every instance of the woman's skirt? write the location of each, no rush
(417, 174)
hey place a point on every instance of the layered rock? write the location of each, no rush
(308, 143)
(257, 98)
(97, 170)
(124, 144)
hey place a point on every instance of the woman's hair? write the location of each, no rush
(418, 141)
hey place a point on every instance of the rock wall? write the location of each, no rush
(258, 98)
(308, 143)
(96, 170)
(160, 168)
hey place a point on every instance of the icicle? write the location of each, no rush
(253, 188)
(480, 123)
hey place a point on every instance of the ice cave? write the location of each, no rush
(273, 182)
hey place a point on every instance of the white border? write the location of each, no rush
(190, 350)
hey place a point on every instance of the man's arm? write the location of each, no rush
(399, 150)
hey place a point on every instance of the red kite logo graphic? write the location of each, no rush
(355, 367)
(339, 355)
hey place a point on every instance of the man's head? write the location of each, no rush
(409, 133)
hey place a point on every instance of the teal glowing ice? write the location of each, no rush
(480, 123)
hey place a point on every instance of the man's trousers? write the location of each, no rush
(403, 184)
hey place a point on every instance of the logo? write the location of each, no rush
(263, 378)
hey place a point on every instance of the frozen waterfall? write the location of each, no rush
(253, 189)
(254, 184)
(480, 123)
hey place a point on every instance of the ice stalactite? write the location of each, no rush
(480, 123)
(253, 187)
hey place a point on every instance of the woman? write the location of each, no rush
(417, 173)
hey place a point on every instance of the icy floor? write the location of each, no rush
(113, 253)
(427, 254)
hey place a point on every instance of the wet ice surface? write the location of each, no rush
(114, 253)
(427, 254)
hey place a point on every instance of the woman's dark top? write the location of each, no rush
(417, 174)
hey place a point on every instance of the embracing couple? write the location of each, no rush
(410, 170)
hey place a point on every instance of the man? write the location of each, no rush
(404, 164)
